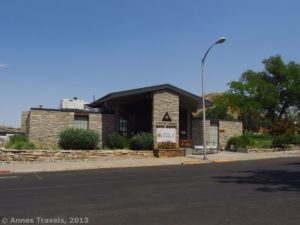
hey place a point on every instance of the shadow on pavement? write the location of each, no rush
(294, 164)
(268, 180)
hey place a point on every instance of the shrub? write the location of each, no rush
(78, 139)
(281, 140)
(296, 139)
(141, 141)
(19, 142)
(239, 141)
(117, 141)
(260, 140)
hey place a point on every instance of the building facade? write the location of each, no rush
(163, 110)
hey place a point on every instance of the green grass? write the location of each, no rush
(19, 142)
(260, 140)
(252, 140)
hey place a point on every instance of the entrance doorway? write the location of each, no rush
(135, 117)
(213, 138)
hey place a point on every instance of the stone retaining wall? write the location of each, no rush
(41, 155)
(168, 152)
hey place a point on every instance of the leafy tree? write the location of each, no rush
(219, 110)
(262, 98)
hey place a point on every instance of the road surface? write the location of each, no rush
(265, 192)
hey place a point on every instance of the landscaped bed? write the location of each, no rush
(263, 142)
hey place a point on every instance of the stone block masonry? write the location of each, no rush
(103, 124)
(24, 120)
(228, 129)
(44, 126)
(63, 155)
(165, 102)
(197, 131)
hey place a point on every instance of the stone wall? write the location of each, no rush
(24, 120)
(43, 155)
(96, 125)
(165, 102)
(45, 126)
(168, 153)
(228, 129)
(197, 134)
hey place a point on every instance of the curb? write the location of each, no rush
(223, 161)
(193, 163)
(4, 171)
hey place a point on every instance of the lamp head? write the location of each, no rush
(221, 40)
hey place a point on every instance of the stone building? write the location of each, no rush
(163, 110)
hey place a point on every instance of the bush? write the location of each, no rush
(296, 139)
(117, 141)
(242, 141)
(260, 140)
(251, 140)
(78, 139)
(19, 142)
(284, 139)
(141, 141)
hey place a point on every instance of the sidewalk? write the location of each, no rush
(26, 167)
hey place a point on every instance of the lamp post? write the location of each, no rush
(220, 41)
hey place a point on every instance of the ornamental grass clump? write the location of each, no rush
(78, 139)
(19, 142)
(117, 141)
(141, 141)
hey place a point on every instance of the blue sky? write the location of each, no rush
(56, 49)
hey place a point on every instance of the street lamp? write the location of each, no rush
(220, 41)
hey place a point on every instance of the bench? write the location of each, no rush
(199, 149)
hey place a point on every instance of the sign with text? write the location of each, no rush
(166, 135)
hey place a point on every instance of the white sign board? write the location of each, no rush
(166, 135)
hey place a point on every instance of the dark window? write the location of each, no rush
(123, 126)
(182, 123)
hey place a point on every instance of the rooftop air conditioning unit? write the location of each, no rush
(74, 103)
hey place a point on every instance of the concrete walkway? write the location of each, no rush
(223, 157)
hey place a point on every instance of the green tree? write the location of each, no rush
(219, 110)
(264, 97)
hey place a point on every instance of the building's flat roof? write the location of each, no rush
(65, 110)
(144, 90)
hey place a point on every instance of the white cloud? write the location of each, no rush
(3, 65)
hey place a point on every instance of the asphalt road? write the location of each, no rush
(265, 192)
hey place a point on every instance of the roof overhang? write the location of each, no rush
(184, 96)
